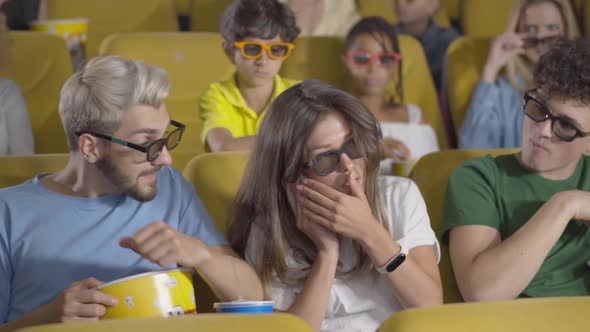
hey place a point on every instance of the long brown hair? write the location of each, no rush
(277, 159)
(518, 68)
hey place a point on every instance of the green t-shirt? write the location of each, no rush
(500, 193)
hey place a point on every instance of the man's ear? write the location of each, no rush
(228, 49)
(90, 148)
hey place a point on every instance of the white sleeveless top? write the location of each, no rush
(419, 138)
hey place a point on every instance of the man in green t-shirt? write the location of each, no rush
(517, 225)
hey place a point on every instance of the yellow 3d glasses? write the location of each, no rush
(253, 49)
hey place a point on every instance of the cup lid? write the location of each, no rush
(244, 304)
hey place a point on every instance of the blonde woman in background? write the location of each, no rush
(16, 136)
(495, 117)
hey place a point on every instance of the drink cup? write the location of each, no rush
(245, 307)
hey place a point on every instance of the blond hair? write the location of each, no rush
(518, 68)
(96, 97)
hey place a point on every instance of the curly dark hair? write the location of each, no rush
(262, 19)
(376, 26)
(563, 72)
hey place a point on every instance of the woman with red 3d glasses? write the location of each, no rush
(373, 59)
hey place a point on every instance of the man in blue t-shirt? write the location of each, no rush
(115, 210)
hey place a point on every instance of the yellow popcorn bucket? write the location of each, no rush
(165, 293)
(73, 31)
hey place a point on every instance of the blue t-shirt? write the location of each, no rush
(49, 240)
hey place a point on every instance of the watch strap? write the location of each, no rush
(393, 263)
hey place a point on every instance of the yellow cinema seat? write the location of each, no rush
(200, 322)
(217, 178)
(485, 18)
(110, 16)
(538, 314)
(431, 174)
(193, 61)
(466, 58)
(452, 7)
(40, 65)
(206, 14)
(18, 169)
(386, 9)
(578, 5)
(321, 58)
(585, 9)
(418, 86)
(183, 6)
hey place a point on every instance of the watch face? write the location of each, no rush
(395, 263)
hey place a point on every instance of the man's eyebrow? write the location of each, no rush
(150, 131)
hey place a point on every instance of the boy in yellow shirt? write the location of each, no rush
(257, 37)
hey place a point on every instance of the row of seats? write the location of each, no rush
(477, 18)
(484, 18)
(540, 315)
(465, 60)
(217, 176)
(194, 60)
(161, 15)
(41, 65)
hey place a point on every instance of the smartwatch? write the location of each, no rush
(393, 263)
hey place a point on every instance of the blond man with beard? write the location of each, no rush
(115, 210)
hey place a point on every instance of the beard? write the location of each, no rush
(125, 183)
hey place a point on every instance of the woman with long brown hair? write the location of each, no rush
(494, 118)
(333, 242)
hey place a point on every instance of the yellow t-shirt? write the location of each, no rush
(222, 106)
